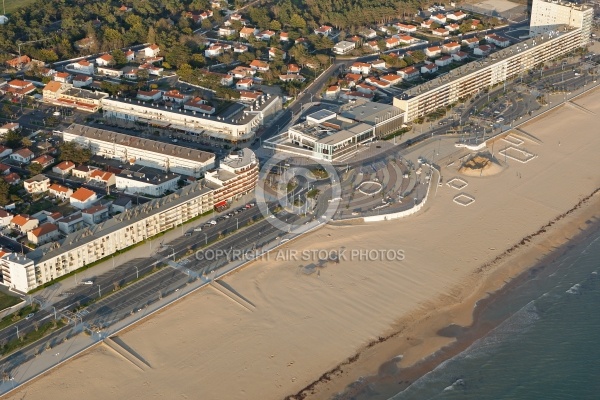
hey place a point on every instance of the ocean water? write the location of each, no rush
(548, 346)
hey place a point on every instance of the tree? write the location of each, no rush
(71, 151)
(35, 168)
(119, 57)
(297, 22)
(12, 139)
(4, 193)
(26, 142)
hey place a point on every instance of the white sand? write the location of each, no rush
(208, 347)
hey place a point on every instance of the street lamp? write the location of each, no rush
(99, 294)
(137, 272)
(205, 238)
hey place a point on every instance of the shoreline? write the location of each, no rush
(393, 373)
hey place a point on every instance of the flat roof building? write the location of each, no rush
(549, 15)
(239, 125)
(135, 150)
(500, 66)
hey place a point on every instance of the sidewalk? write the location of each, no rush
(52, 294)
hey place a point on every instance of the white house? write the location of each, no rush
(23, 223)
(130, 55)
(392, 42)
(406, 28)
(450, 48)
(246, 32)
(83, 198)
(22, 156)
(37, 184)
(440, 32)
(213, 50)
(82, 80)
(244, 84)
(60, 191)
(361, 68)
(63, 168)
(498, 40)
(104, 60)
(460, 56)
(83, 66)
(443, 61)
(439, 18)
(433, 51)
(407, 39)
(471, 42)
(482, 50)
(150, 95)
(324, 30)
(11, 126)
(43, 234)
(225, 31)
(343, 47)
(409, 73)
(5, 218)
(456, 15)
(151, 51)
(429, 68)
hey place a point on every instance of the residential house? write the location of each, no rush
(244, 84)
(82, 80)
(55, 216)
(175, 96)
(18, 62)
(372, 45)
(406, 28)
(498, 40)
(44, 160)
(151, 51)
(70, 223)
(47, 72)
(365, 88)
(83, 171)
(471, 42)
(332, 92)
(10, 126)
(476, 24)
(5, 218)
(250, 97)
(439, 18)
(452, 27)
(19, 88)
(293, 69)
(63, 168)
(152, 69)
(460, 56)
(226, 31)
(392, 79)
(443, 61)
(440, 32)
(83, 198)
(433, 51)
(43, 234)
(353, 79)
(121, 205)
(115, 73)
(450, 48)
(105, 60)
(456, 15)
(200, 105)
(214, 50)
(324, 30)
(63, 77)
(37, 184)
(83, 66)
(240, 48)
(150, 95)
(242, 72)
(407, 39)
(23, 156)
(60, 191)
(427, 24)
(246, 32)
(259, 65)
(361, 68)
(392, 42)
(23, 223)
(265, 35)
(378, 64)
(95, 214)
(291, 77)
(377, 82)
(368, 33)
(4, 152)
(103, 178)
(130, 55)
(131, 73)
(429, 68)
(284, 36)
(482, 50)
(274, 52)
(344, 47)
(12, 178)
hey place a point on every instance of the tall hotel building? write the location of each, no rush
(557, 28)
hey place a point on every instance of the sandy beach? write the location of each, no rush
(361, 311)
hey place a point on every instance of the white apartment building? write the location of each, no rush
(237, 175)
(473, 77)
(135, 150)
(240, 124)
(90, 244)
(549, 15)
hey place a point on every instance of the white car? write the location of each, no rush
(212, 222)
(88, 282)
(198, 229)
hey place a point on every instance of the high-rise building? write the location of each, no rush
(549, 15)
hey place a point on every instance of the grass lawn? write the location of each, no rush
(8, 301)
(14, 5)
